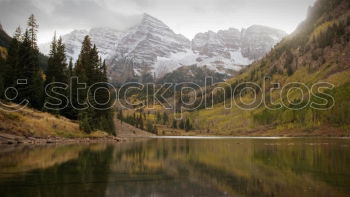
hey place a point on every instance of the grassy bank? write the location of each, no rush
(32, 123)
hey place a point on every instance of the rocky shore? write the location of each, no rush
(14, 139)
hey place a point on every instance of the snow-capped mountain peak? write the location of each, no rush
(154, 48)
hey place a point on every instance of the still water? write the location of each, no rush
(180, 167)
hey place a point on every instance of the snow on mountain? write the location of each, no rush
(152, 47)
(150, 39)
(257, 40)
(242, 47)
(105, 39)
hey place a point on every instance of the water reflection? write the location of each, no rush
(180, 167)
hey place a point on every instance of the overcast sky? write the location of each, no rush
(187, 17)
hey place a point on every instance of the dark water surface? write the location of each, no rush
(181, 167)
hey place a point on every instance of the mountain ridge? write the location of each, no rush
(153, 46)
(317, 51)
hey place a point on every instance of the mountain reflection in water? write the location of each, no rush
(180, 167)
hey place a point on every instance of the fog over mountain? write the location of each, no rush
(187, 17)
(220, 35)
(152, 49)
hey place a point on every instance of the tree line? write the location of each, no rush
(138, 120)
(42, 86)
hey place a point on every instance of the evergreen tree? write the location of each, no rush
(28, 69)
(84, 121)
(150, 127)
(80, 73)
(141, 123)
(91, 70)
(2, 66)
(11, 69)
(174, 125)
(18, 34)
(1, 84)
(84, 61)
(158, 117)
(182, 124)
(165, 118)
(86, 118)
(57, 72)
(32, 31)
(51, 65)
(188, 125)
(70, 69)
(49, 99)
(57, 66)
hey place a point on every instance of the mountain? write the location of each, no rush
(105, 39)
(249, 44)
(144, 44)
(193, 74)
(258, 40)
(5, 39)
(149, 40)
(317, 51)
(152, 48)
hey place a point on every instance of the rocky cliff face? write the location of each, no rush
(213, 44)
(252, 43)
(142, 45)
(105, 39)
(258, 40)
(149, 40)
(152, 48)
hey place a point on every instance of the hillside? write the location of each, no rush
(27, 123)
(318, 51)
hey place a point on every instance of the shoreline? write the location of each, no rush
(9, 139)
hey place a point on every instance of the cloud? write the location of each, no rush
(184, 16)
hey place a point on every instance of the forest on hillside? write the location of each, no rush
(22, 61)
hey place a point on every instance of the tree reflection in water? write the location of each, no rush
(180, 167)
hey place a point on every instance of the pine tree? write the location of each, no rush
(70, 69)
(61, 61)
(69, 111)
(86, 117)
(2, 66)
(182, 124)
(11, 69)
(32, 31)
(57, 66)
(51, 66)
(150, 127)
(80, 72)
(165, 118)
(1, 84)
(174, 125)
(49, 99)
(158, 117)
(57, 71)
(141, 123)
(188, 125)
(18, 34)
(91, 70)
(84, 61)
(28, 68)
(84, 121)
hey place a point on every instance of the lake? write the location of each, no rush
(174, 167)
